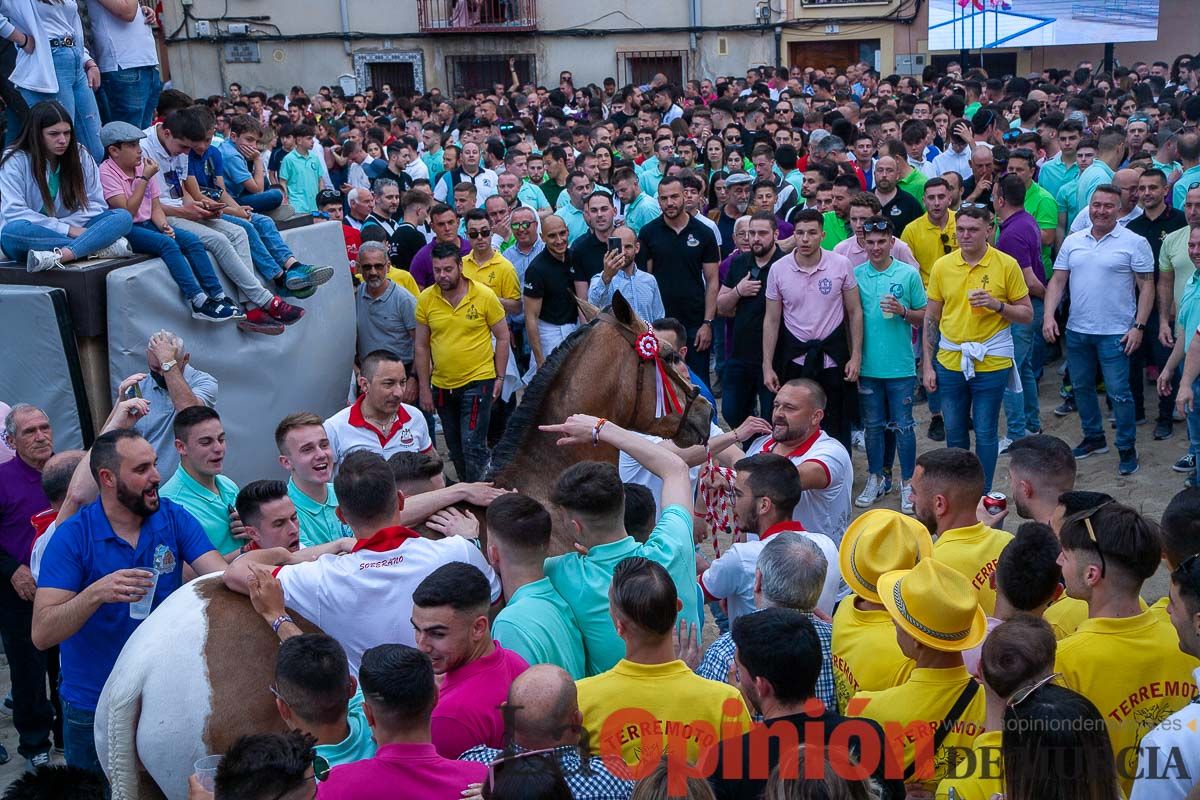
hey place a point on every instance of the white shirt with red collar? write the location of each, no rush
(826, 510)
(364, 598)
(348, 430)
(731, 577)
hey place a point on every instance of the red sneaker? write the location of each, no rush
(257, 321)
(283, 312)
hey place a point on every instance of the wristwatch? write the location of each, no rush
(1141, 326)
(167, 366)
(707, 322)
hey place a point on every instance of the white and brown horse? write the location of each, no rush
(195, 675)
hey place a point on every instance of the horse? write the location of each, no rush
(196, 674)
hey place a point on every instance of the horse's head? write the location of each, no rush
(681, 414)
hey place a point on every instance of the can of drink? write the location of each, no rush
(995, 502)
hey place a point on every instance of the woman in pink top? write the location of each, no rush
(125, 180)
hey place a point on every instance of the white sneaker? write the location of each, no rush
(871, 492)
(42, 260)
(1002, 445)
(906, 497)
(858, 440)
(118, 249)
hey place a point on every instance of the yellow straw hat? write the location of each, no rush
(935, 605)
(880, 541)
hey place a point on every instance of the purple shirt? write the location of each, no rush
(422, 263)
(1021, 238)
(468, 709)
(402, 770)
(21, 497)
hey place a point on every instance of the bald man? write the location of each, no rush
(1127, 181)
(621, 274)
(542, 713)
(551, 314)
(978, 187)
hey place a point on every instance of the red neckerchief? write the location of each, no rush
(359, 421)
(803, 447)
(779, 527)
(386, 539)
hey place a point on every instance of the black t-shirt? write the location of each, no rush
(725, 225)
(748, 318)
(587, 257)
(551, 190)
(550, 279)
(969, 188)
(405, 243)
(677, 262)
(902, 209)
(1155, 230)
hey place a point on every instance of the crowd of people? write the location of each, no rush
(820, 249)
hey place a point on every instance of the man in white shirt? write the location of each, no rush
(826, 473)
(128, 59)
(766, 491)
(379, 420)
(1102, 266)
(344, 593)
(1127, 181)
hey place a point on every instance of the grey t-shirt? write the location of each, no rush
(156, 425)
(387, 322)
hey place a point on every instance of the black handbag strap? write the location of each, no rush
(943, 728)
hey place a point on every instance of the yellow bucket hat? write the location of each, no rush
(935, 605)
(879, 541)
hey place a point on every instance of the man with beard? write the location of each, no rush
(897, 205)
(742, 297)
(826, 473)
(443, 219)
(198, 485)
(737, 200)
(836, 224)
(380, 420)
(638, 207)
(113, 552)
(172, 385)
(588, 252)
(456, 321)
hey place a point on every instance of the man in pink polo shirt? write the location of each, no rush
(399, 694)
(450, 621)
(816, 297)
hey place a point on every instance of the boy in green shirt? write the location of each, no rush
(300, 174)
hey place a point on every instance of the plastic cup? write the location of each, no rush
(888, 314)
(980, 311)
(141, 609)
(206, 771)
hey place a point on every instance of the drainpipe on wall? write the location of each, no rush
(693, 22)
(345, 9)
(778, 45)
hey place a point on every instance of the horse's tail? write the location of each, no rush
(116, 726)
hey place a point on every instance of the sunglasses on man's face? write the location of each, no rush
(479, 233)
(520, 226)
(882, 227)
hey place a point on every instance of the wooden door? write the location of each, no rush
(820, 55)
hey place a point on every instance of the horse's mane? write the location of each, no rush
(531, 401)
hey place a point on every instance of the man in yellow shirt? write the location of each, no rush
(650, 701)
(484, 265)
(865, 654)
(1067, 613)
(939, 706)
(457, 365)
(1125, 658)
(947, 485)
(930, 237)
(975, 294)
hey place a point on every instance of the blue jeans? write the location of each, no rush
(1083, 350)
(1193, 429)
(887, 403)
(185, 257)
(979, 399)
(262, 202)
(21, 236)
(130, 95)
(75, 95)
(79, 738)
(465, 413)
(743, 392)
(267, 249)
(1021, 410)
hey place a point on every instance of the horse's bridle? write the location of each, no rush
(643, 366)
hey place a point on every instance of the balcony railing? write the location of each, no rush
(476, 16)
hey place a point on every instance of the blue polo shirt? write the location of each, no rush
(85, 549)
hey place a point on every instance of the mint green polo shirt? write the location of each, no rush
(1041, 206)
(532, 196)
(319, 523)
(1054, 173)
(650, 176)
(1066, 199)
(358, 745)
(1188, 318)
(583, 581)
(536, 624)
(887, 343)
(643, 209)
(1179, 194)
(210, 510)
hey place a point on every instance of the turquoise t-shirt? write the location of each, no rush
(359, 745)
(319, 523)
(887, 343)
(210, 510)
(642, 210)
(583, 583)
(303, 176)
(1179, 195)
(532, 196)
(536, 624)
(1054, 173)
(1067, 200)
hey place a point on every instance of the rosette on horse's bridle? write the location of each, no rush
(666, 401)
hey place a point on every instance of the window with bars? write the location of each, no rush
(640, 67)
(475, 72)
